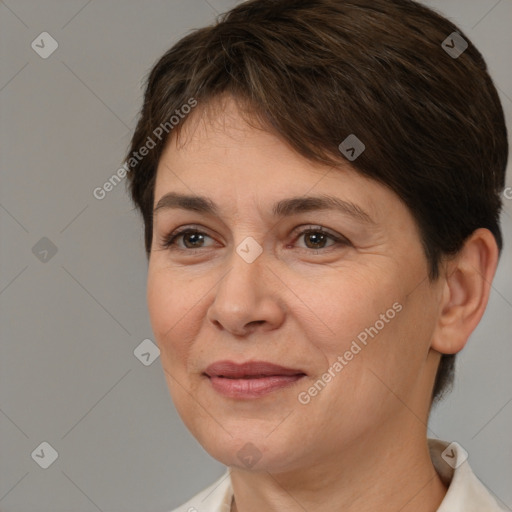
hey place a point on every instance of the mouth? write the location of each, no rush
(252, 379)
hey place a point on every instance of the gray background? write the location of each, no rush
(70, 323)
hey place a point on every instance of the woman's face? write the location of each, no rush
(348, 311)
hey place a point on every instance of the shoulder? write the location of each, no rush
(466, 493)
(215, 498)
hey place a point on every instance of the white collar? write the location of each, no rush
(465, 492)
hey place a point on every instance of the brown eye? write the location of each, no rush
(315, 238)
(192, 239)
(195, 239)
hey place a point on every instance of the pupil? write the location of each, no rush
(318, 236)
(193, 235)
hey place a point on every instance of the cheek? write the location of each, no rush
(171, 315)
(365, 319)
(346, 306)
(170, 312)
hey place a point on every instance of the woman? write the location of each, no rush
(320, 186)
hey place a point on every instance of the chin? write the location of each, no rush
(256, 451)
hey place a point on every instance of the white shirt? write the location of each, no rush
(465, 492)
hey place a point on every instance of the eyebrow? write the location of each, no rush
(283, 208)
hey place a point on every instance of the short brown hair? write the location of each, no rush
(317, 71)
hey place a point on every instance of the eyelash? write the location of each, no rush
(169, 241)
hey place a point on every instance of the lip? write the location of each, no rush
(249, 369)
(251, 379)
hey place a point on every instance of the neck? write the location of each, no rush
(387, 476)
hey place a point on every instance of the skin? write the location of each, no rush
(360, 443)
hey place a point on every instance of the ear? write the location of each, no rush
(465, 291)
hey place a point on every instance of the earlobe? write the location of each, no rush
(466, 288)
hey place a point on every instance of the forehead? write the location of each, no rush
(225, 156)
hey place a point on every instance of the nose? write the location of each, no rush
(247, 298)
